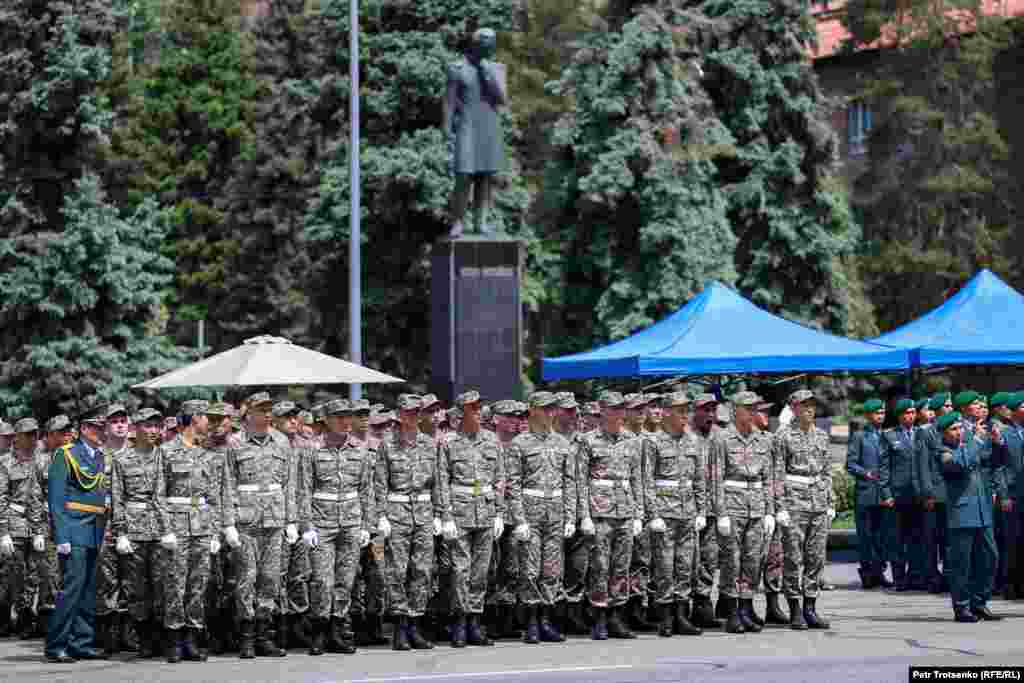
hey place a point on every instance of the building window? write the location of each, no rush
(858, 126)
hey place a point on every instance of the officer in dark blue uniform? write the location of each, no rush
(873, 498)
(972, 547)
(903, 524)
(77, 501)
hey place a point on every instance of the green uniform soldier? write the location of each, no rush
(932, 488)
(472, 470)
(744, 509)
(1000, 417)
(542, 499)
(111, 616)
(137, 530)
(705, 406)
(612, 512)
(804, 508)
(336, 507)
(408, 502)
(873, 497)
(675, 500)
(904, 524)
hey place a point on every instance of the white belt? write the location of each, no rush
(471, 490)
(538, 493)
(16, 508)
(403, 498)
(623, 483)
(142, 506)
(182, 500)
(253, 488)
(672, 483)
(742, 484)
(322, 495)
(800, 479)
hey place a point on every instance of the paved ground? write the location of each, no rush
(875, 637)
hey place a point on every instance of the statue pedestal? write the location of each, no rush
(476, 317)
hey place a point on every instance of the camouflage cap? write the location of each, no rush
(259, 398)
(506, 407)
(115, 408)
(542, 399)
(58, 423)
(610, 399)
(409, 402)
(6, 429)
(485, 412)
(170, 423)
(195, 407)
(592, 408)
(745, 398)
(522, 409)
(284, 409)
(634, 401)
(467, 397)
(678, 398)
(801, 395)
(704, 399)
(378, 408)
(428, 401)
(307, 417)
(26, 425)
(360, 405)
(145, 415)
(567, 400)
(338, 406)
(381, 417)
(220, 409)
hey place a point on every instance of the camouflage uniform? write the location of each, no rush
(503, 581)
(21, 519)
(578, 548)
(296, 569)
(707, 554)
(640, 562)
(223, 581)
(47, 569)
(369, 590)
(773, 556)
(109, 601)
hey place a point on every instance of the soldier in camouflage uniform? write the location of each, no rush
(804, 508)
(578, 549)
(336, 506)
(111, 617)
(136, 528)
(189, 495)
(745, 509)
(59, 433)
(542, 498)
(612, 512)
(6, 441)
(260, 500)
(472, 468)
(22, 542)
(408, 508)
(637, 406)
(706, 563)
(674, 498)
(504, 583)
(771, 569)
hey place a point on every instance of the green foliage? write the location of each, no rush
(843, 485)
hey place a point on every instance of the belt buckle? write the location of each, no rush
(476, 487)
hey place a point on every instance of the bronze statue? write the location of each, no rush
(476, 89)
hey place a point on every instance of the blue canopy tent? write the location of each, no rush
(720, 332)
(982, 324)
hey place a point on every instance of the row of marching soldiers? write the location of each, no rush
(519, 519)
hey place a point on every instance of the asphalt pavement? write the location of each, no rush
(875, 636)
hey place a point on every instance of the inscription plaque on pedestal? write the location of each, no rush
(476, 317)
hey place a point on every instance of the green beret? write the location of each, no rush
(921, 403)
(1000, 398)
(966, 398)
(937, 401)
(1015, 400)
(873, 405)
(903, 405)
(947, 420)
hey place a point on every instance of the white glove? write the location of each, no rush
(831, 514)
(38, 543)
(570, 530)
(522, 532)
(587, 527)
(214, 546)
(124, 546)
(769, 525)
(782, 517)
(437, 526)
(724, 525)
(384, 527)
(657, 525)
(231, 537)
(63, 548)
(499, 527)
(7, 545)
(638, 527)
(450, 531)
(170, 541)
(364, 538)
(291, 534)
(311, 538)
(700, 523)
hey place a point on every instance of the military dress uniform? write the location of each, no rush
(189, 498)
(541, 470)
(743, 488)
(863, 456)
(904, 523)
(675, 491)
(1011, 486)
(932, 488)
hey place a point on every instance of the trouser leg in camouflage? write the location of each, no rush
(409, 560)
(334, 563)
(258, 562)
(773, 563)
(49, 577)
(672, 556)
(706, 559)
(640, 566)
(806, 538)
(24, 584)
(577, 562)
(145, 580)
(295, 574)
(108, 582)
(608, 583)
(743, 549)
(188, 570)
(471, 554)
(442, 582)
(540, 562)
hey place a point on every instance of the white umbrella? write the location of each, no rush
(267, 360)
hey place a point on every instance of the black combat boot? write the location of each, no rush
(145, 650)
(476, 634)
(246, 636)
(399, 637)
(265, 645)
(510, 624)
(43, 623)
(682, 624)
(867, 578)
(796, 615)
(964, 615)
(318, 637)
(723, 608)
(637, 615)
(459, 631)
(106, 635)
(342, 640)
(129, 638)
(532, 634)
(773, 613)
(575, 620)
(298, 630)
(5, 620)
(754, 616)
(617, 627)
(746, 615)
(281, 634)
(665, 620)
(704, 613)
(190, 650)
(899, 579)
(416, 639)
(549, 633)
(172, 645)
(732, 618)
(373, 625)
(27, 626)
(811, 615)
(599, 631)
